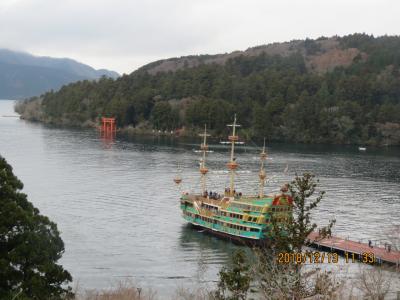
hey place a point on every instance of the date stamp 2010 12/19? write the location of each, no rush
(322, 257)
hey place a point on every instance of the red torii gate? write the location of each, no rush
(108, 125)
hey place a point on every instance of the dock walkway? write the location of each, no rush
(341, 246)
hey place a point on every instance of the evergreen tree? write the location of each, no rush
(292, 235)
(286, 281)
(234, 281)
(162, 116)
(30, 246)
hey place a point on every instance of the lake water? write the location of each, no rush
(117, 207)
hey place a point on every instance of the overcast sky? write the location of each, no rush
(123, 35)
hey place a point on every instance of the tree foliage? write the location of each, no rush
(234, 281)
(292, 236)
(287, 281)
(30, 246)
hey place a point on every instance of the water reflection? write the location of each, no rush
(194, 239)
(107, 138)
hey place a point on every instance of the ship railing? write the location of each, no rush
(249, 198)
(223, 203)
(212, 201)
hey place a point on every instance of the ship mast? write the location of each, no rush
(232, 164)
(262, 175)
(203, 169)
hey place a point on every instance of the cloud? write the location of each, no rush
(125, 34)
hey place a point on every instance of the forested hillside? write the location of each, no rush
(329, 90)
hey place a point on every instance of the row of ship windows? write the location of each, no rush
(246, 207)
(209, 207)
(213, 221)
(257, 208)
(249, 219)
(238, 216)
(231, 215)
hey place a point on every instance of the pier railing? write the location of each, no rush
(345, 245)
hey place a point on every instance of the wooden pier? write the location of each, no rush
(343, 246)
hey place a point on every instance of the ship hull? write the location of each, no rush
(229, 237)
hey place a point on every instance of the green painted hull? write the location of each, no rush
(221, 229)
(240, 219)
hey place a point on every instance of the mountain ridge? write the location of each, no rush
(25, 75)
(326, 47)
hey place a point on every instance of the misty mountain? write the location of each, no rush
(24, 75)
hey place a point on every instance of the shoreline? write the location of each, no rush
(184, 133)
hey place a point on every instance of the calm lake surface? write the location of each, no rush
(117, 207)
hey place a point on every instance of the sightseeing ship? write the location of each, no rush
(231, 214)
